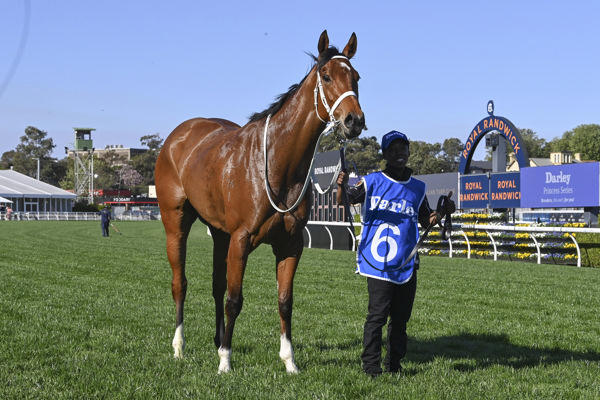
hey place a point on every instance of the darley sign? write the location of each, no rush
(567, 185)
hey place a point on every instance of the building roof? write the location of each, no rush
(540, 162)
(16, 185)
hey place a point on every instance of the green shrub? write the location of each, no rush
(590, 249)
(85, 207)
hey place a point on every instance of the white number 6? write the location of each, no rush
(381, 237)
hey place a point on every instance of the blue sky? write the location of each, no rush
(428, 68)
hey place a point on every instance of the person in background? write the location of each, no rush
(394, 203)
(105, 220)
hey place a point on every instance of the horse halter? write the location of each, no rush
(319, 92)
(330, 125)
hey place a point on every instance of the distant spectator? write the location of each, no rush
(105, 220)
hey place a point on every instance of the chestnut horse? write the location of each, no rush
(248, 184)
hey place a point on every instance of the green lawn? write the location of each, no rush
(87, 317)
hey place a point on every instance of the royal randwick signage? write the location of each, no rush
(493, 123)
(325, 170)
(499, 190)
(505, 190)
(474, 191)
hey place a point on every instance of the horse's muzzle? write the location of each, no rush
(354, 125)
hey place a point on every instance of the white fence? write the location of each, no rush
(459, 236)
(75, 216)
(531, 230)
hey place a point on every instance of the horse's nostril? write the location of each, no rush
(352, 121)
(349, 121)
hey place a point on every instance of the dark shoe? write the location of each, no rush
(394, 370)
(374, 373)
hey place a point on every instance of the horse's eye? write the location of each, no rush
(326, 78)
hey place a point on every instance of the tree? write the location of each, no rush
(585, 139)
(153, 142)
(536, 147)
(113, 158)
(7, 159)
(145, 163)
(331, 141)
(560, 144)
(424, 158)
(130, 177)
(34, 146)
(450, 156)
(361, 152)
(127, 177)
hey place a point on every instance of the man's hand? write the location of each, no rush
(342, 178)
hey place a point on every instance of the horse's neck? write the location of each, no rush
(293, 134)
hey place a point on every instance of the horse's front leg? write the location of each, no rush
(287, 258)
(220, 249)
(237, 257)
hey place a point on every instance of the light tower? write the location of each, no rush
(84, 164)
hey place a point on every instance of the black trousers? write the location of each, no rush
(393, 301)
(104, 228)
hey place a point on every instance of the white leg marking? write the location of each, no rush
(179, 342)
(287, 355)
(224, 356)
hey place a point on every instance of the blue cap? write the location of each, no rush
(390, 137)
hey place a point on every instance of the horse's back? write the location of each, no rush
(189, 137)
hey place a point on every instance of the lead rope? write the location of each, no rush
(329, 126)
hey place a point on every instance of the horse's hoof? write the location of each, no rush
(224, 357)
(291, 368)
(178, 353)
(223, 370)
(179, 342)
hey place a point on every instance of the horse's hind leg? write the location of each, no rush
(177, 228)
(287, 258)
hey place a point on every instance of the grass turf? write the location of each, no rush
(82, 316)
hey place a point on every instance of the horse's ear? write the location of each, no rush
(323, 42)
(350, 49)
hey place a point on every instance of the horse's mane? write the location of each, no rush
(282, 98)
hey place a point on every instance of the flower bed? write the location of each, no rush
(554, 247)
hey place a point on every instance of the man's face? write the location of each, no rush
(397, 153)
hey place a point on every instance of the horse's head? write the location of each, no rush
(337, 85)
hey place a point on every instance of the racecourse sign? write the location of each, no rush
(505, 190)
(474, 191)
(325, 170)
(567, 185)
(493, 124)
(500, 190)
